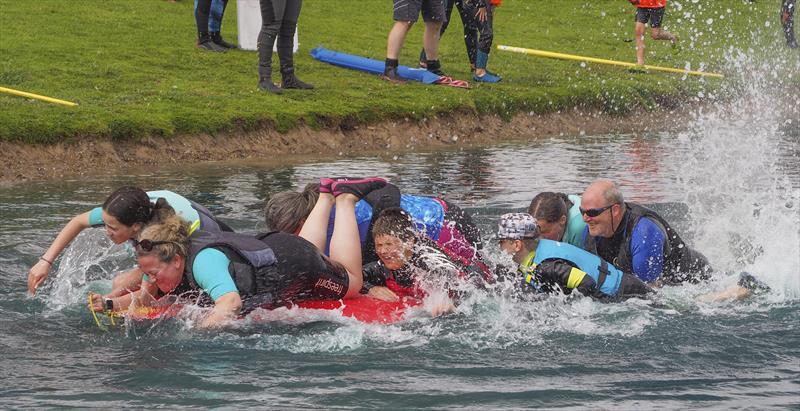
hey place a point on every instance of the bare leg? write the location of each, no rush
(430, 39)
(658, 34)
(639, 43)
(315, 229)
(734, 292)
(346, 243)
(397, 36)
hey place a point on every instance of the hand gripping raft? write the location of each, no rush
(376, 67)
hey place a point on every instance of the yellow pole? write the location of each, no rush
(562, 56)
(37, 96)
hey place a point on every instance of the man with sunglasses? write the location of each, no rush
(636, 239)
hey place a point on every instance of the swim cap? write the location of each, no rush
(517, 226)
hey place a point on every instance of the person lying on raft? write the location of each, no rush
(411, 265)
(237, 273)
(559, 217)
(638, 240)
(446, 224)
(548, 266)
(124, 214)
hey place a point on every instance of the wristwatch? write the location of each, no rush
(109, 304)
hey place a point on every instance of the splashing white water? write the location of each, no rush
(744, 206)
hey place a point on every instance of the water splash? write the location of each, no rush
(89, 262)
(744, 199)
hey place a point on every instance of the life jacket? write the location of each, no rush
(681, 263)
(607, 278)
(649, 4)
(207, 221)
(252, 265)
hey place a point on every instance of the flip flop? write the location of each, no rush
(449, 81)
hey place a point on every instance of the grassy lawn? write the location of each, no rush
(133, 68)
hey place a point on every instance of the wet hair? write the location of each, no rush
(285, 211)
(549, 206)
(395, 222)
(131, 205)
(173, 229)
(613, 195)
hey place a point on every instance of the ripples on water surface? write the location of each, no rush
(730, 183)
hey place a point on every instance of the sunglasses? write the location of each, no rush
(147, 245)
(594, 212)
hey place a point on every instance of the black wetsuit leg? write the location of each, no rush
(787, 19)
(278, 21)
(302, 272)
(467, 10)
(201, 15)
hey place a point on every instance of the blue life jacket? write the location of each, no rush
(605, 276)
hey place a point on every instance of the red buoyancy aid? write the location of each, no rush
(649, 4)
(413, 291)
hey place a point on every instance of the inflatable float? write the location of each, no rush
(376, 67)
(364, 309)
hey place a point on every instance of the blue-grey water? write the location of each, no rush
(729, 182)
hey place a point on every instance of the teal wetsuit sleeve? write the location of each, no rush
(575, 224)
(96, 217)
(211, 273)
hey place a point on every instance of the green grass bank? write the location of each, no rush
(132, 66)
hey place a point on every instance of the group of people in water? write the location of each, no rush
(345, 238)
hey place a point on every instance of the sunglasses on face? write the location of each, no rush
(594, 212)
(147, 245)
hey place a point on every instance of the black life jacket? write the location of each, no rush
(681, 263)
(207, 220)
(252, 266)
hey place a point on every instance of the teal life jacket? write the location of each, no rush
(607, 278)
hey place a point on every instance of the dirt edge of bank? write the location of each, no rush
(26, 162)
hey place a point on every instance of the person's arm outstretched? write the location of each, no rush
(39, 272)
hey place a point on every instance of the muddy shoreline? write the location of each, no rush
(26, 162)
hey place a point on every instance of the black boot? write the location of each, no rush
(265, 65)
(265, 80)
(288, 79)
(204, 43)
(216, 37)
(435, 67)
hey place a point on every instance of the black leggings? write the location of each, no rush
(478, 36)
(278, 20)
(788, 25)
(201, 15)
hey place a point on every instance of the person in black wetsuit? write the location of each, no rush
(209, 20)
(278, 20)
(477, 16)
(547, 266)
(787, 20)
(637, 239)
(213, 11)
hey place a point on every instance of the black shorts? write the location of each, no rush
(654, 16)
(408, 10)
(304, 273)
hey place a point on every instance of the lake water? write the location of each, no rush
(730, 183)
